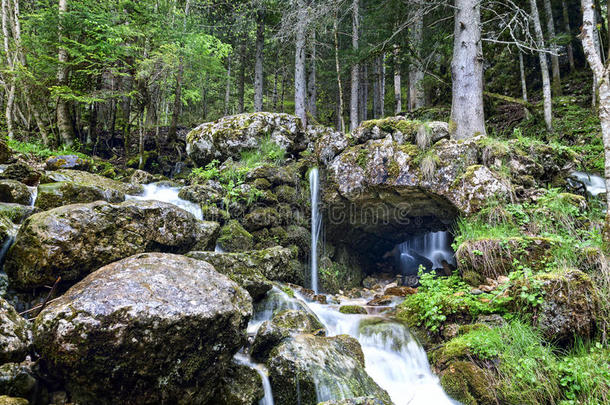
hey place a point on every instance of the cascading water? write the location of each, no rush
(393, 358)
(244, 360)
(595, 185)
(316, 225)
(429, 250)
(167, 194)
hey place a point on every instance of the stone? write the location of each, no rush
(241, 385)
(230, 136)
(315, 369)
(466, 382)
(6, 153)
(354, 401)
(352, 310)
(15, 334)
(276, 176)
(151, 328)
(16, 213)
(53, 195)
(74, 240)
(6, 400)
(283, 325)
(201, 194)
(90, 179)
(382, 301)
(569, 308)
(254, 268)
(18, 380)
(12, 191)
(400, 291)
(329, 143)
(73, 162)
(234, 238)
(141, 177)
(21, 172)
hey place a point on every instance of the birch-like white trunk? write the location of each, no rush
(523, 83)
(353, 110)
(258, 65)
(397, 82)
(467, 114)
(300, 80)
(417, 97)
(544, 67)
(602, 72)
(550, 27)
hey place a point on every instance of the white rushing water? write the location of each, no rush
(167, 194)
(434, 246)
(242, 359)
(393, 358)
(316, 225)
(595, 185)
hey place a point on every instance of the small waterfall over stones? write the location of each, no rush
(244, 360)
(316, 225)
(167, 194)
(595, 185)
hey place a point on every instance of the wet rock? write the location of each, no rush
(141, 177)
(381, 301)
(272, 264)
(240, 269)
(241, 385)
(400, 291)
(6, 400)
(12, 191)
(91, 180)
(229, 136)
(16, 213)
(6, 153)
(18, 380)
(283, 325)
(352, 310)
(67, 162)
(151, 328)
(468, 383)
(234, 238)
(53, 195)
(354, 401)
(329, 143)
(274, 175)
(15, 334)
(569, 307)
(201, 194)
(74, 240)
(316, 369)
(21, 172)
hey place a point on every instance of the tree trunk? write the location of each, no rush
(364, 92)
(568, 29)
(550, 26)
(242, 77)
(312, 92)
(546, 81)
(523, 83)
(603, 73)
(228, 86)
(258, 66)
(397, 82)
(375, 89)
(171, 134)
(64, 122)
(275, 90)
(467, 114)
(381, 85)
(300, 81)
(9, 87)
(353, 111)
(340, 108)
(417, 97)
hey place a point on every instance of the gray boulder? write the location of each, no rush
(15, 334)
(152, 328)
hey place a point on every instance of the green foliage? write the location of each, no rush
(267, 152)
(42, 151)
(441, 298)
(584, 374)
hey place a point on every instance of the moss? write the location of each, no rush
(234, 238)
(393, 169)
(363, 157)
(352, 310)
(468, 384)
(393, 124)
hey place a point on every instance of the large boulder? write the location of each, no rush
(12, 191)
(568, 305)
(402, 130)
(15, 334)
(316, 369)
(67, 162)
(229, 136)
(53, 195)
(272, 263)
(241, 385)
(21, 172)
(74, 240)
(152, 328)
(81, 178)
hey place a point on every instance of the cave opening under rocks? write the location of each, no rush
(395, 233)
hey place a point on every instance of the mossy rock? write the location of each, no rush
(211, 212)
(91, 180)
(12, 191)
(234, 238)
(67, 162)
(19, 379)
(286, 194)
(241, 385)
(6, 400)
(15, 334)
(352, 310)
(468, 383)
(21, 172)
(16, 213)
(493, 257)
(53, 195)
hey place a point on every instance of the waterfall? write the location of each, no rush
(260, 369)
(429, 250)
(167, 194)
(595, 185)
(316, 225)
